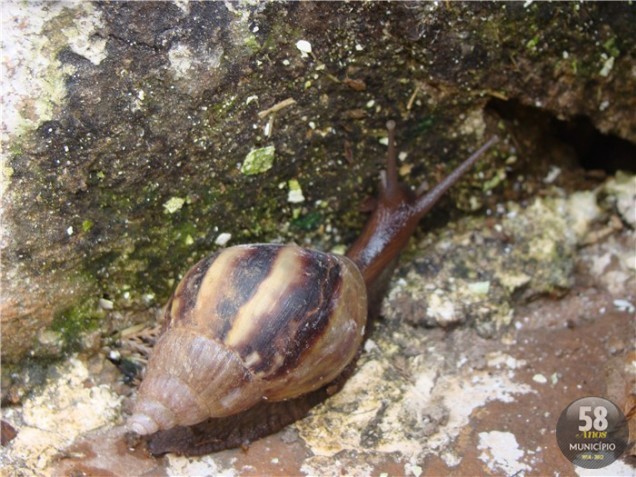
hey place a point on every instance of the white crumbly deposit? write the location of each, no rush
(32, 35)
(204, 465)
(416, 415)
(51, 419)
(185, 62)
(501, 453)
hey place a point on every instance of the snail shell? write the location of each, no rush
(247, 324)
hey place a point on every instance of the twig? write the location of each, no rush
(277, 107)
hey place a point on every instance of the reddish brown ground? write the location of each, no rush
(568, 338)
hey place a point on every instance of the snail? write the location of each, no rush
(256, 335)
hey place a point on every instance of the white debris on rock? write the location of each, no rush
(203, 465)
(33, 77)
(304, 47)
(223, 238)
(501, 453)
(51, 419)
(416, 415)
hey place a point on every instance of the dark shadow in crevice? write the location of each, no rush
(594, 150)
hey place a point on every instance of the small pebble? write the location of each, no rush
(539, 378)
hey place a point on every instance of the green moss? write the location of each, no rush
(252, 43)
(87, 225)
(424, 124)
(219, 111)
(280, 31)
(308, 221)
(575, 66)
(495, 180)
(531, 44)
(15, 147)
(75, 321)
(611, 48)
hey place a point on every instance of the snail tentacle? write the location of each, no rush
(425, 202)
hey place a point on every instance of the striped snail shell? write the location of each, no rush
(247, 324)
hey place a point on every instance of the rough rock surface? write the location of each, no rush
(128, 126)
(138, 137)
(423, 401)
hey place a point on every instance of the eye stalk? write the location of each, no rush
(398, 212)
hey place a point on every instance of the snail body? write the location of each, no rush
(256, 335)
